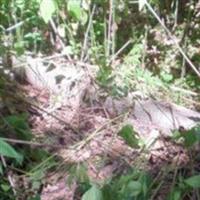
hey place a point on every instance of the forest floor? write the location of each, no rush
(90, 135)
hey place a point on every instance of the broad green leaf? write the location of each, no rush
(193, 181)
(9, 151)
(128, 134)
(47, 8)
(135, 188)
(74, 8)
(94, 193)
(5, 187)
(141, 4)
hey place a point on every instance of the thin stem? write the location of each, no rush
(120, 50)
(15, 141)
(172, 38)
(110, 21)
(9, 176)
(58, 36)
(113, 29)
(85, 43)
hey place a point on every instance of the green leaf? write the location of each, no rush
(141, 4)
(166, 77)
(104, 76)
(36, 185)
(193, 181)
(20, 3)
(94, 193)
(9, 151)
(19, 47)
(74, 8)
(135, 188)
(175, 194)
(128, 134)
(47, 8)
(5, 187)
(20, 125)
(145, 180)
(190, 138)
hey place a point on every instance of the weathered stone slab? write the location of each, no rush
(149, 115)
(165, 116)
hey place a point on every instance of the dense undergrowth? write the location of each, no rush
(134, 52)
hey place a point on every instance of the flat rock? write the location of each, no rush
(165, 116)
(148, 115)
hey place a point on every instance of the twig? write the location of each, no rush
(184, 91)
(41, 164)
(15, 141)
(194, 103)
(173, 39)
(110, 21)
(60, 55)
(58, 35)
(81, 144)
(17, 25)
(75, 62)
(26, 101)
(145, 40)
(184, 39)
(113, 30)
(176, 13)
(87, 33)
(56, 32)
(9, 176)
(69, 126)
(120, 50)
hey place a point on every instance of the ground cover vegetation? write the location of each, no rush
(148, 46)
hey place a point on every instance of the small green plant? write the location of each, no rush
(8, 151)
(133, 185)
(129, 135)
(189, 137)
(184, 187)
